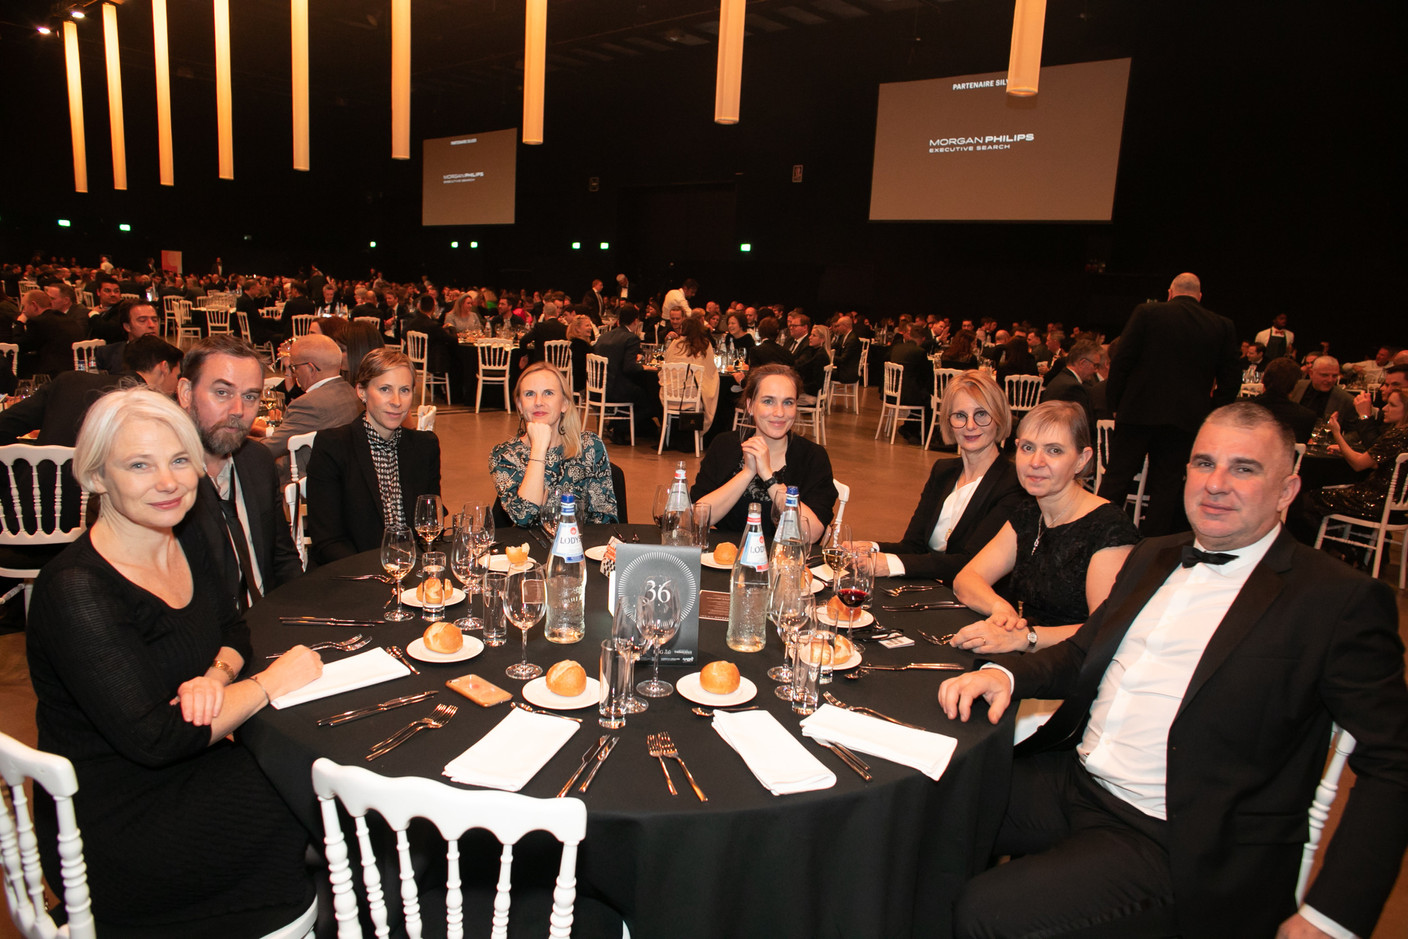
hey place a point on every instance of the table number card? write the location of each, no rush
(641, 568)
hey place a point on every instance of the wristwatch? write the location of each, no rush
(1031, 639)
(771, 481)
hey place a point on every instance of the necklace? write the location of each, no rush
(1041, 527)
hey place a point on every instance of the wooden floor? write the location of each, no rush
(885, 484)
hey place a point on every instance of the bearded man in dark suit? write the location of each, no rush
(1176, 362)
(1169, 793)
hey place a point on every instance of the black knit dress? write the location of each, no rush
(181, 837)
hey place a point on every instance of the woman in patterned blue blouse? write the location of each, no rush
(551, 452)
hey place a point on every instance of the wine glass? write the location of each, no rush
(657, 505)
(428, 519)
(657, 619)
(398, 556)
(524, 597)
(790, 608)
(464, 552)
(855, 583)
(550, 511)
(833, 548)
(632, 643)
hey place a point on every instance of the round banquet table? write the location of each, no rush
(883, 858)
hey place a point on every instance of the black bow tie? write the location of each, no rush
(1191, 556)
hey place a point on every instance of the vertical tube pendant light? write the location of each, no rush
(224, 118)
(400, 79)
(728, 85)
(1024, 65)
(75, 107)
(162, 63)
(298, 10)
(535, 45)
(119, 134)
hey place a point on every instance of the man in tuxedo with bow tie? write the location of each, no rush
(1169, 793)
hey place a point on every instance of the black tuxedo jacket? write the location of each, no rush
(983, 518)
(57, 408)
(1067, 387)
(621, 348)
(769, 352)
(344, 499)
(268, 528)
(542, 331)
(46, 345)
(847, 359)
(1170, 357)
(917, 384)
(1307, 641)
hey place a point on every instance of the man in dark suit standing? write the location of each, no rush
(1176, 362)
(1169, 793)
(847, 345)
(239, 508)
(594, 302)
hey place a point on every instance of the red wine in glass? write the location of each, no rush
(853, 597)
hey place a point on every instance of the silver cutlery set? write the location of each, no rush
(659, 745)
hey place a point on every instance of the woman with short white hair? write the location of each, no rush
(138, 659)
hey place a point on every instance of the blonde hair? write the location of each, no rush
(983, 390)
(569, 424)
(107, 418)
(1069, 417)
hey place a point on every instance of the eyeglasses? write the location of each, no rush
(960, 419)
(311, 365)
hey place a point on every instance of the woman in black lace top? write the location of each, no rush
(134, 652)
(1062, 551)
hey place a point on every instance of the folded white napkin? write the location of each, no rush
(367, 668)
(825, 572)
(927, 752)
(776, 757)
(513, 752)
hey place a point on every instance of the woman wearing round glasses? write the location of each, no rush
(1062, 550)
(966, 501)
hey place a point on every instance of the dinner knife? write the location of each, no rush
(600, 759)
(359, 713)
(934, 666)
(400, 656)
(592, 751)
(935, 605)
(850, 759)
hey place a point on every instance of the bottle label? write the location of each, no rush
(568, 543)
(754, 553)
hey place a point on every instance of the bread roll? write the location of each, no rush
(719, 678)
(844, 649)
(567, 679)
(434, 591)
(443, 637)
(726, 553)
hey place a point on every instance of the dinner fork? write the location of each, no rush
(350, 644)
(437, 719)
(905, 588)
(657, 750)
(936, 640)
(384, 578)
(834, 701)
(667, 747)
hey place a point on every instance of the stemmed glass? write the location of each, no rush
(630, 642)
(524, 596)
(464, 553)
(428, 520)
(790, 608)
(398, 556)
(657, 505)
(855, 583)
(550, 511)
(658, 619)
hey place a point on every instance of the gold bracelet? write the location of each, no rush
(225, 667)
(255, 679)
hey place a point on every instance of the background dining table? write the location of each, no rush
(878, 858)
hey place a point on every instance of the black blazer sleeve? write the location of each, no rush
(983, 518)
(331, 473)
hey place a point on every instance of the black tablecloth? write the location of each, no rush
(883, 858)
